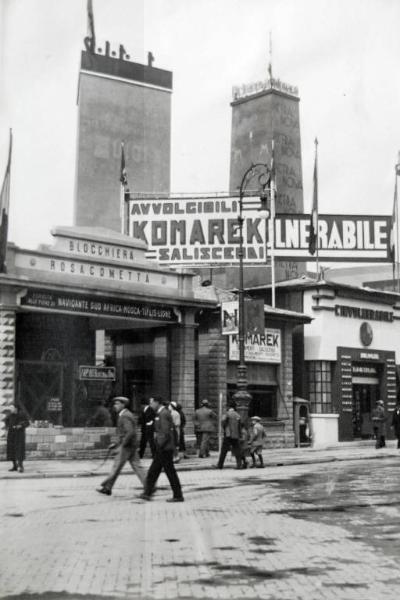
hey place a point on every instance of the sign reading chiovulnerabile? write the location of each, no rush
(203, 231)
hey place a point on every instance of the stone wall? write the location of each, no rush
(59, 442)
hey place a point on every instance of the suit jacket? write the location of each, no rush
(378, 420)
(147, 418)
(126, 429)
(396, 420)
(204, 419)
(164, 430)
(231, 424)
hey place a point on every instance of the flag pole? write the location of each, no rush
(396, 251)
(272, 226)
(4, 209)
(126, 204)
(317, 209)
(270, 58)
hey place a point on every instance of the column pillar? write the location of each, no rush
(7, 363)
(183, 369)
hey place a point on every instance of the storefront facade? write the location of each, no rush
(83, 320)
(351, 348)
(269, 362)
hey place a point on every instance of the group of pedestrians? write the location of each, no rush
(243, 442)
(160, 432)
(162, 428)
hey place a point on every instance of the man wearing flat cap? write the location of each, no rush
(378, 424)
(126, 446)
(204, 425)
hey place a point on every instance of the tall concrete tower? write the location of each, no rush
(120, 100)
(262, 112)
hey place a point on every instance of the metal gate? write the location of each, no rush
(40, 389)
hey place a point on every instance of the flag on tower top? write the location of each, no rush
(90, 26)
(123, 176)
(4, 207)
(270, 56)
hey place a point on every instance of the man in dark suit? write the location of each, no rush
(126, 446)
(231, 441)
(164, 438)
(396, 422)
(204, 426)
(147, 425)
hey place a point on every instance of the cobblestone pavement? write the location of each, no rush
(317, 531)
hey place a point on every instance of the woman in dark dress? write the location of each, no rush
(16, 423)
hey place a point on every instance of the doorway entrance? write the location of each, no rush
(40, 389)
(365, 396)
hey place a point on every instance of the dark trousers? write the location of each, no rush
(229, 443)
(147, 436)
(163, 459)
(380, 439)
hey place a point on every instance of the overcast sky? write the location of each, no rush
(344, 56)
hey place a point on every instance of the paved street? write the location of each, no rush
(315, 531)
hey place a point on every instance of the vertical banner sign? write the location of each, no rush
(230, 317)
(254, 321)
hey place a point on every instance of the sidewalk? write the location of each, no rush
(363, 450)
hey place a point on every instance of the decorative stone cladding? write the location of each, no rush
(212, 362)
(285, 378)
(7, 363)
(64, 442)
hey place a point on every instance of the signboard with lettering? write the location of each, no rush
(92, 269)
(260, 348)
(104, 307)
(54, 405)
(254, 319)
(357, 312)
(93, 373)
(204, 231)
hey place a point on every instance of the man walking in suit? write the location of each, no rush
(164, 438)
(147, 425)
(126, 446)
(204, 426)
(231, 427)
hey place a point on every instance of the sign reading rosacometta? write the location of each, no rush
(204, 231)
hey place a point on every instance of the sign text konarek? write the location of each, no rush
(204, 231)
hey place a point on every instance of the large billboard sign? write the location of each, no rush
(260, 348)
(202, 231)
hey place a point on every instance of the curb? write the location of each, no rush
(198, 467)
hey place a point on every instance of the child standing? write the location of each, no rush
(257, 435)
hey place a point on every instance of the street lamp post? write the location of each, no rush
(261, 172)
